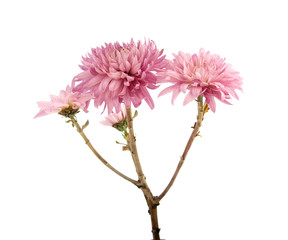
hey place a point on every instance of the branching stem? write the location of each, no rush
(81, 132)
(151, 200)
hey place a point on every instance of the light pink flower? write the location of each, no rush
(117, 73)
(114, 118)
(66, 100)
(203, 74)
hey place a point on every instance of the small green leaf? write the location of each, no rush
(120, 143)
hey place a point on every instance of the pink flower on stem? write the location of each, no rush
(202, 74)
(118, 74)
(118, 121)
(67, 100)
(115, 118)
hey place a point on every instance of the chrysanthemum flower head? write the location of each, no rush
(117, 74)
(116, 120)
(202, 74)
(119, 122)
(66, 103)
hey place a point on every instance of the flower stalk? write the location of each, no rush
(202, 109)
(132, 146)
(150, 199)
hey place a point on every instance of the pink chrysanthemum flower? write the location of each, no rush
(115, 118)
(117, 73)
(203, 74)
(67, 100)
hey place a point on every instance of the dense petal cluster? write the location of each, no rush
(203, 74)
(66, 100)
(117, 74)
(115, 118)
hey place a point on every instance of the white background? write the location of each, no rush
(234, 183)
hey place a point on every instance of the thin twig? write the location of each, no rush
(194, 134)
(81, 132)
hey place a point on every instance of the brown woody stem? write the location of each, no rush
(154, 222)
(81, 132)
(194, 134)
(150, 199)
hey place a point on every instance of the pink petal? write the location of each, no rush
(175, 94)
(148, 98)
(166, 90)
(193, 94)
(104, 83)
(115, 84)
(211, 103)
